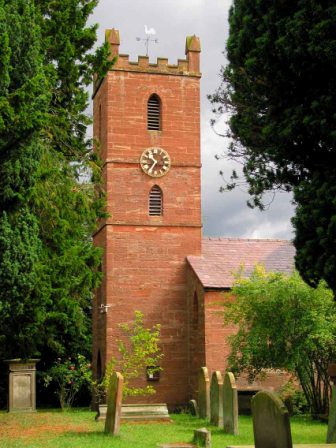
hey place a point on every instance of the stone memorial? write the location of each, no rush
(331, 435)
(271, 425)
(216, 399)
(22, 385)
(202, 437)
(193, 407)
(230, 404)
(114, 399)
(203, 393)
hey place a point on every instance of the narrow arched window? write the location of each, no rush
(154, 113)
(155, 206)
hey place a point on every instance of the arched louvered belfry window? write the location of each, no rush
(154, 113)
(155, 206)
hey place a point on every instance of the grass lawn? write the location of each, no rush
(77, 429)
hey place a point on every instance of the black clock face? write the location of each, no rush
(155, 162)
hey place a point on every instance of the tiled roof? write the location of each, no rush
(222, 257)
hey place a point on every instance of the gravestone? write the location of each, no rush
(114, 399)
(22, 385)
(203, 393)
(193, 407)
(331, 435)
(216, 399)
(271, 425)
(202, 437)
(230, 404)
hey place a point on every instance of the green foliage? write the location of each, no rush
(67, 212)
(48, 204)
(294, 399)
(22, 308)
(279, 90)
(138, 350)
(284, 324)
(315, 223)
(278, 93)
(67, 44)
(24, 86)
(70, 375)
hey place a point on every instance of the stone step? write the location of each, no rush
(176, 445)
(139, 412)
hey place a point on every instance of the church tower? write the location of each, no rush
(147, 123)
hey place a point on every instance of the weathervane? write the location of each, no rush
(149, 32)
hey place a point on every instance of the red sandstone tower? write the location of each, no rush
(147, 122)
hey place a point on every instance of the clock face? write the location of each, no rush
(155, 162)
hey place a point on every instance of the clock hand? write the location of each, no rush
(151, 168)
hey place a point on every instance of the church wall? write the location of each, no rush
(147, 272)
(145, 256)
(208, 344)
(196, 330)
(99, 315)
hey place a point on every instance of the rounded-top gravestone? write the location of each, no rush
(271, 425)
(230, 404)
(203, 393)
(216, 399)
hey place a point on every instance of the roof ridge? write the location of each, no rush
(225, 238)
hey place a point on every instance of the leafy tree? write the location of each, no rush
(284, 324)
(279, 92)
(139, 350)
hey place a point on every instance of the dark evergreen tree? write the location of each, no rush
(22, 312)
(279, 91)
(24, 100)
(48, 264)
(315, 224)
(67, 46)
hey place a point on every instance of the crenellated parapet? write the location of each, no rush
(184, 67)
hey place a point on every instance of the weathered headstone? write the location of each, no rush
(331, 435)
(22, 385)
(193, 407)
(271, 425)
(230, 404)
(202, 437)
(114, 399)
(203, 393)
(216, 399)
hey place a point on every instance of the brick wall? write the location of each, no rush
(208, 339)
(145, 256)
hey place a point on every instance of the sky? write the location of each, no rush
(224, 214)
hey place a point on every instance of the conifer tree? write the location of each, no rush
(279, 93)
(48, 264)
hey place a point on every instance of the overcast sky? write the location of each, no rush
(224, 214)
